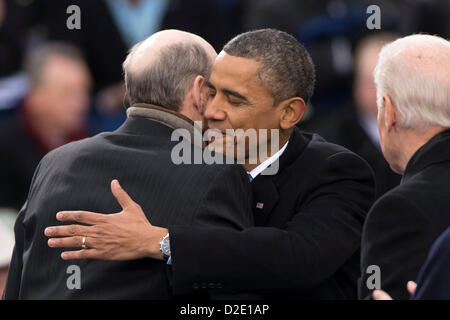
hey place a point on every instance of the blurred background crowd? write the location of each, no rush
(58, 85)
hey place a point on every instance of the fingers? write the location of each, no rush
(81, 254)
(121, 195)
(71, 242)
(381, 295)
(411, 286)
(68, 231)
(85, 217)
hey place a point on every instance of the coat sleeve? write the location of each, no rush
(323, 234)
(396, 239)
(225, 205)
(227, 202)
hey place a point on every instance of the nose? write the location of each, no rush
(214, 110)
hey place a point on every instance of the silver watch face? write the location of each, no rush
(165, 246)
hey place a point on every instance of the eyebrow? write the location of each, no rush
(228, 92)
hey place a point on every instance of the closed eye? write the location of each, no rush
(234, 103)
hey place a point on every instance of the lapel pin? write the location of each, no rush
(259, 205)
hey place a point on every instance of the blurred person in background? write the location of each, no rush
(52, 113)
(412, 78)
(25, 24)
(356, 127)
(15, 21)
(329, 29)
(124, 23)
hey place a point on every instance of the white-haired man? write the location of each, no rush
(412, 77)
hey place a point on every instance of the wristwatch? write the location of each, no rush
(164, 246)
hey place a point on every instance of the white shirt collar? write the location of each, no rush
(263, 165)
(370, 127)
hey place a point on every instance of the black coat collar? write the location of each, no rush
(265, 187)
(297, 143)
(436, 150)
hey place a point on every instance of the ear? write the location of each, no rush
(292, 111)
(126, 100)
(197, 93)
(391, 115)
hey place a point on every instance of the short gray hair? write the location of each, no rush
(36, 59)
(166, 81)
(287, 68)
(415, 72)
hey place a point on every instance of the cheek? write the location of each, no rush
(239, 118)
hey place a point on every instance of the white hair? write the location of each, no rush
(414, 72)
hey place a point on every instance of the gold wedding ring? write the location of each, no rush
(83, 243)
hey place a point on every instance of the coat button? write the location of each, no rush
(211, 285)
(195, 285)
(203, 285)
(219, 285)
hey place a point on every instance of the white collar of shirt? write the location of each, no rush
(263, 165)
(369, 125)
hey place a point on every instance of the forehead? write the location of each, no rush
(58, 70)
(237, 73)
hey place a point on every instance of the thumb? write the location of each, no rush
(380, 295)
(121, 195)
(411, 286)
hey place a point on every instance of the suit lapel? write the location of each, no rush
(265, 187)
(265, 198)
